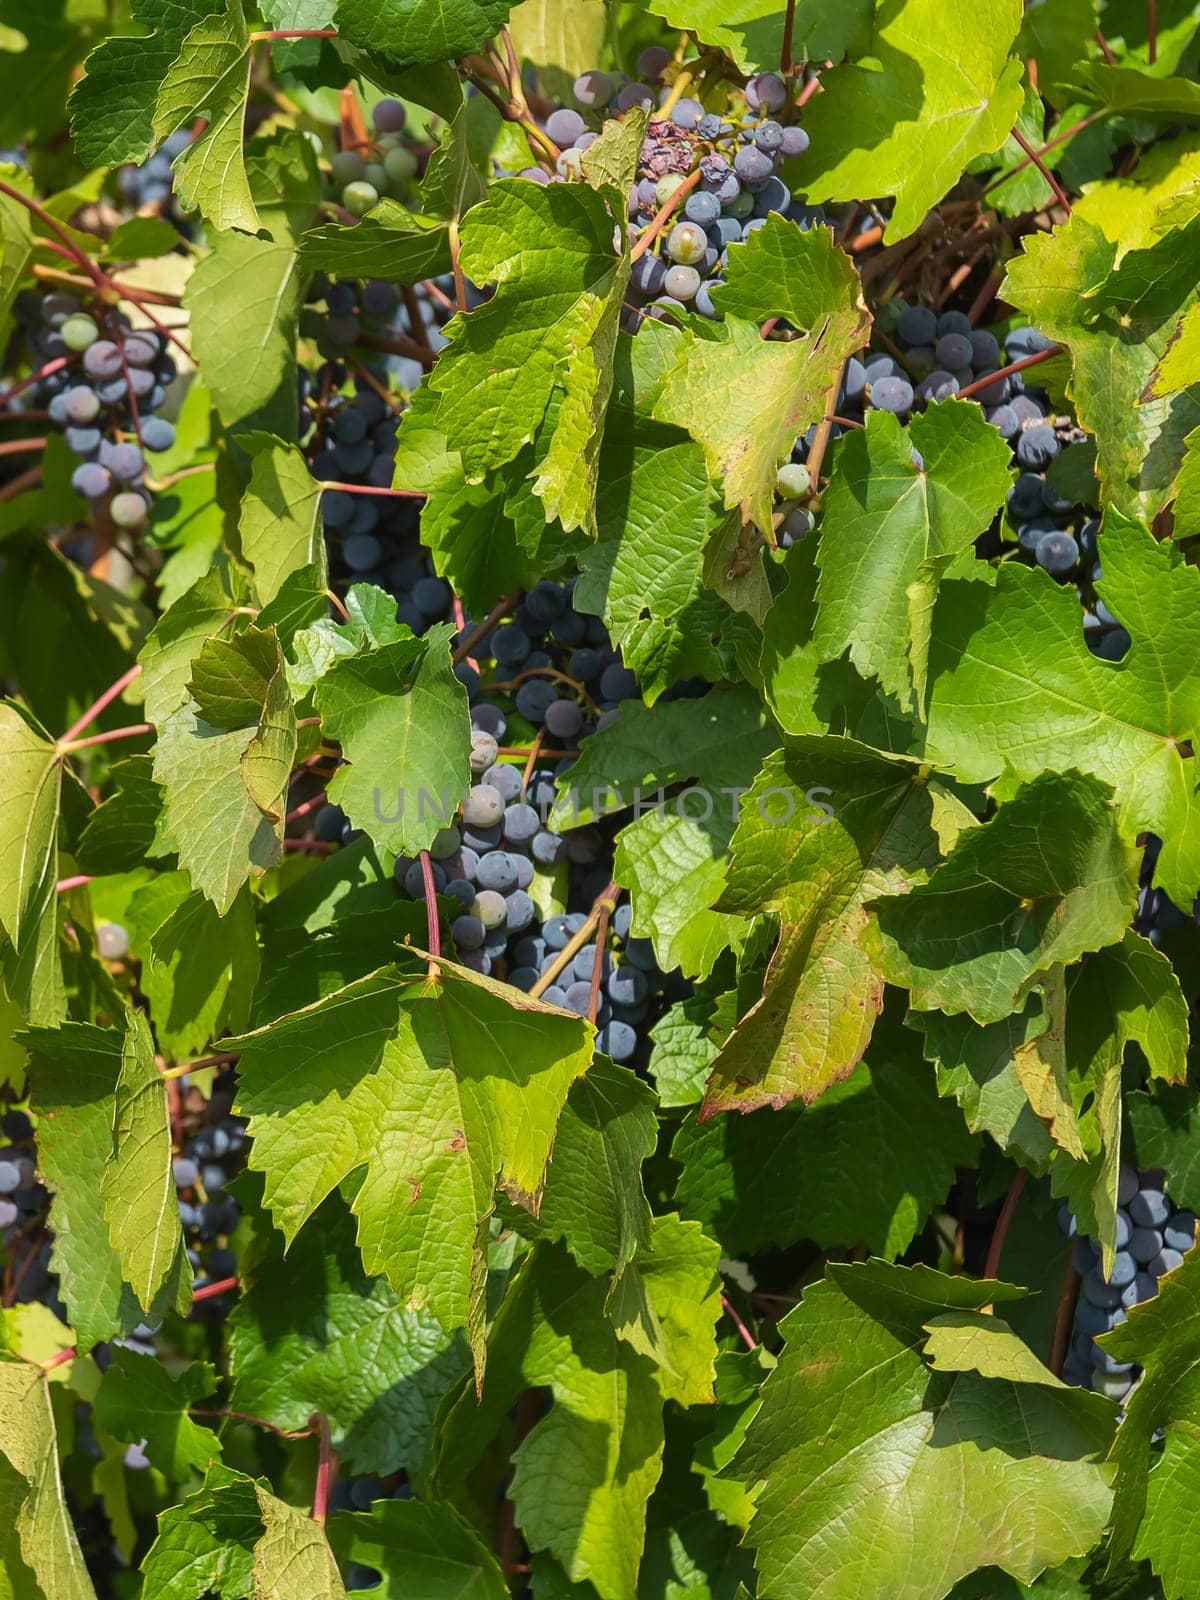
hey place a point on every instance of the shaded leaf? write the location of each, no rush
(311, 1332)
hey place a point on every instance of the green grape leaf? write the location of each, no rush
(1168, 1498)
(1163, 1337)
(890, 529)
(225, 783)
(919, 1477)
(413, 33)
(112, 105)
(390, 242)
(818, 871)
(1057, 37)
(311, 1332)
(206, 609)
(585, 1470)
(1042, 1070)
(561, 38)
(474, 1078)
(29, 1444)
(372, 624)
(16, 246)
(210, 78)
(614, 157)
(137, 1191)
(34, 977)
(1165, 1130)
(1187, 484)
(231, 678)
(1115, 996)
(645, 575)
(400, 716)
(1089, 1185)
(976, 1341)
(199, 969)
(280, 525)
(419, 1548)
(303, 966)
(120, 833)
(206, 1541)
(1180, 367)
(753, 30)
(455, 178)
(1061, 706)
(1117, 315)
(594, 1201)
(982, 1068)
(141, 239)
(1131, 93)
(73, 1079)
(140, 1401)
(67, 633)
(1130, 991)
(877, 1151)
(42, 48)
(674, 865)
(243, 301)
(14, 1058)
(666, 1305)
(934, 91)
(465, 525)
(293, 1556)
(29, 808)
(719, 741)
(684, 1046)
(550, 330)
(770, 391)
(296, 54)
(1047, 879)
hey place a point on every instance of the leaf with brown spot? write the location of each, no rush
(824, 983)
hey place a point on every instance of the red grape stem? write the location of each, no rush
(1064, 1317)
(431, 911)
(995, 1249)
(748, 1338)
(1060, 194)
(1005, 372)
(326, 1467)
(133, 731)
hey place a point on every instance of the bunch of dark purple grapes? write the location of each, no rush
(102, 381)
(552, 669)
(213, 1152)
(730, 162)
(1153, 1234)
(931, 358)
(371, 536)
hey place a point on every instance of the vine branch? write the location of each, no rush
(991, 1266)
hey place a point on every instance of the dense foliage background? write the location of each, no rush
(598, 807)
